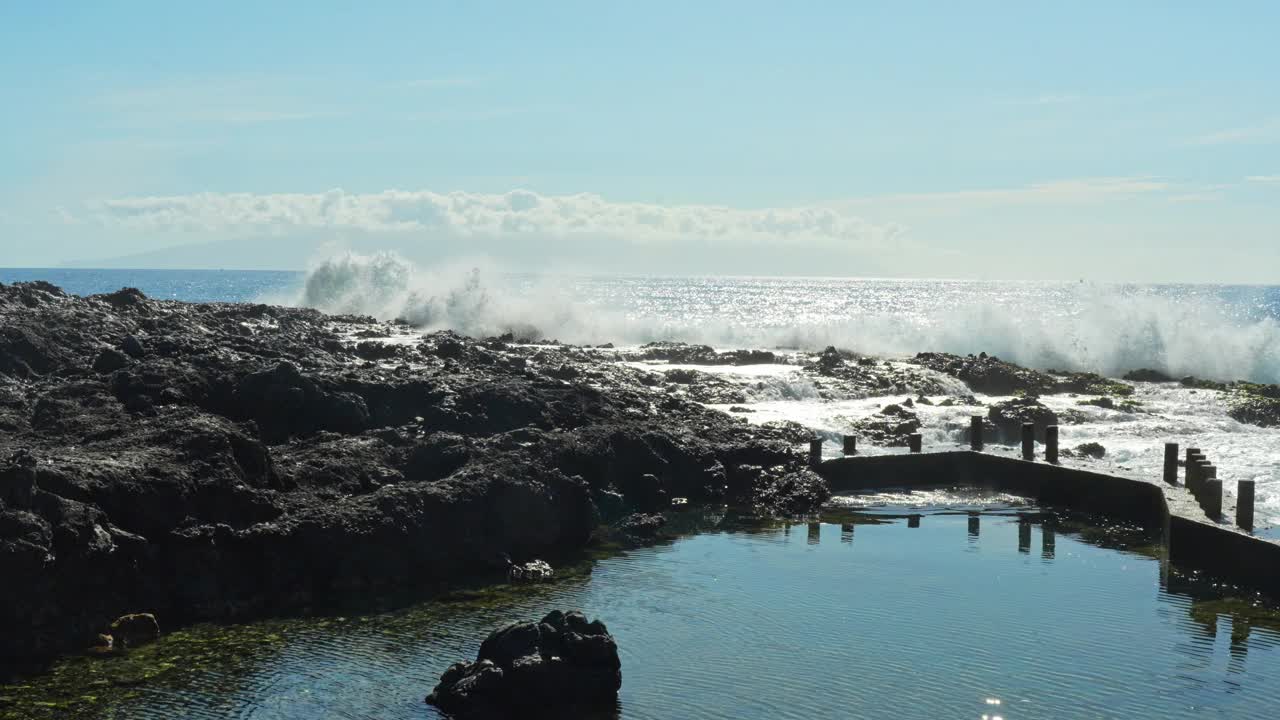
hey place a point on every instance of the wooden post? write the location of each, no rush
(914, 441)
(975, 432)
(850, 444)
(1212, 500)
(1244, 504)
(1202, 473)
(1171, 463)
(1051, 444)
(1028, 441)
(815, 452)
(1192, 454)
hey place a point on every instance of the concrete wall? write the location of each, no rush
(1193, 540)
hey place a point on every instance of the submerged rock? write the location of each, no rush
(641, 528)
(556, 667)
(1009, 415)
(532, 571)
(1256, 404)
(1091, 449)
(134, 630)
(1147, 375)
(989, 374)
(888, 428)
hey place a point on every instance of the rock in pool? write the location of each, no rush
(552, 668)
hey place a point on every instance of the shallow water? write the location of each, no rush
(966, 615)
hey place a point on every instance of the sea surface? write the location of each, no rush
(1218, 332)
(979, 608)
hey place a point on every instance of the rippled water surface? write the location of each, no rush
(962, 616)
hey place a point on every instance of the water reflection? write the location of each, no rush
(908, 615)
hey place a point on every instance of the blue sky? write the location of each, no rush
(1113, 141)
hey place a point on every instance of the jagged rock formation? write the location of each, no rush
(212, 461)
(556, 667)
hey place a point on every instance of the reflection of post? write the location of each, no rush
(815, 532)
(1048, 541)
(1239, 643)
(1024, 535)
(1028, 441)
(913, 521)
(975, 432)
(846, 533)
(1051, 444)
(974, 525)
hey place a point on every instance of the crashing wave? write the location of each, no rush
(1108, 330)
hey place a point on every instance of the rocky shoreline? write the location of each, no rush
(217, 461)
(220, 461)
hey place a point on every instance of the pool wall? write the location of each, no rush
(1192, 539)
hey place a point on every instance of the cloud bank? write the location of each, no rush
(512, 214)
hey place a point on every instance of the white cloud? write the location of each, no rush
(513, 214)
(1056, 192)
(1264, 179)
(1263, 133)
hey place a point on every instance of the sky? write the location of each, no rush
(1134, 141)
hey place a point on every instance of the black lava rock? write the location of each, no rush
(552, 668)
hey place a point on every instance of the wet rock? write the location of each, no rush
(989, 374)
(641, 528)
(1089, 384)
(251, 461)
(1009, 415)
(1192, 381)
(135, 630)
(532, 571)
(891, 427)
(856, 375)
(1107, 403)
(1255, 404)
(685, 354)
(558, 667)
(1091, 449)
(1147, 375)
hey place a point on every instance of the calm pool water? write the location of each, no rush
(962, 616)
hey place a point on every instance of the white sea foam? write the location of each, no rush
(1111, 330)
(1104, 329)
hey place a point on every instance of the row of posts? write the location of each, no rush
(1201, 475)
(915, 442)
(1202, 480)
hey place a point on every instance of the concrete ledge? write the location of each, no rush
(1192, 539)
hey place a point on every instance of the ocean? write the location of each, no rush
(1220, 332)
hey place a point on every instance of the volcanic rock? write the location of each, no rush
(1009, 415)
(561, 666)
(253, 460)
